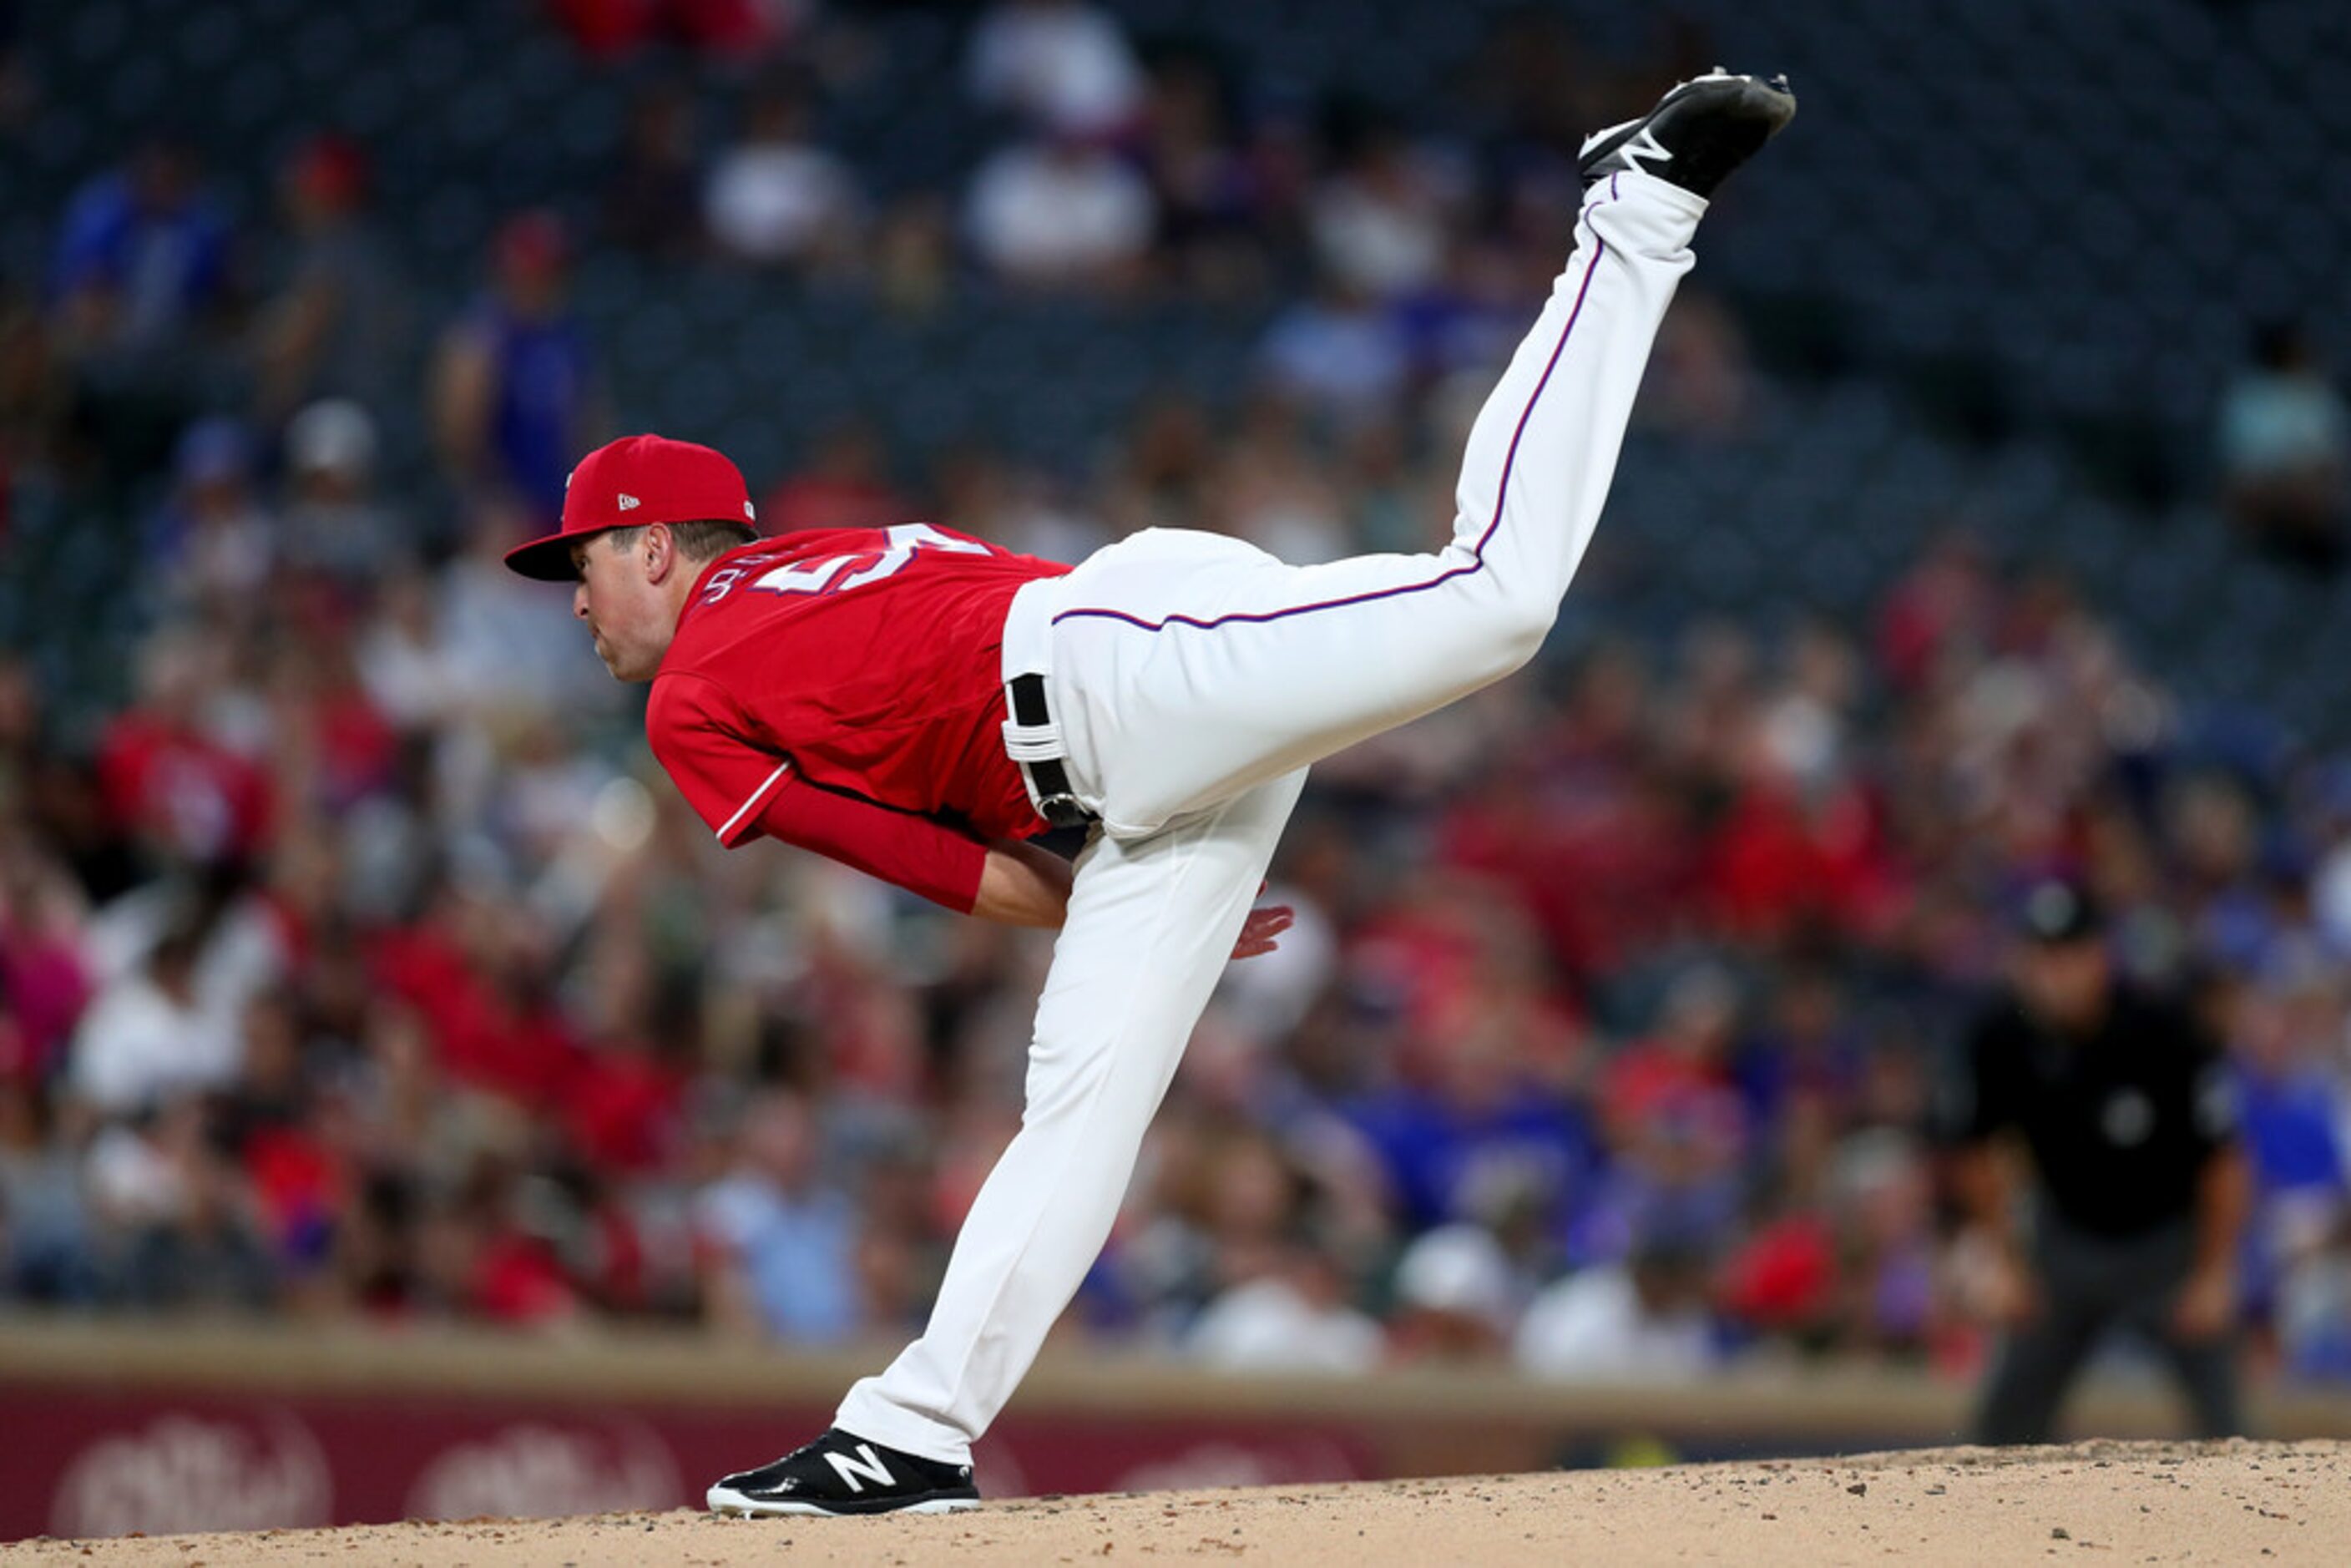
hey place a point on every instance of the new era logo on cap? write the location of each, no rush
(636, 480)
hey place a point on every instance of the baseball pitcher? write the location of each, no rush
(917, 704)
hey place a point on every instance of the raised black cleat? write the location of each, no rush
(1696, 135)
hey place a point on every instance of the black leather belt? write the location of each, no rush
(1057, 803)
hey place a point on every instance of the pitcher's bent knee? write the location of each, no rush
(1516, 631)
(1484, 637)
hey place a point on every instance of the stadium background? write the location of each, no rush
(359, 974)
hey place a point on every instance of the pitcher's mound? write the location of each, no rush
(2235, 1502)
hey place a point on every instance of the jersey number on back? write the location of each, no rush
(839, 574)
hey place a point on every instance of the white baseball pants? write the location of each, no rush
(1191, 679)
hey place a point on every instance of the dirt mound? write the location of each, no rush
(2221, 1503)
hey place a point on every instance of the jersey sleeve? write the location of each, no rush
(741, 790)
(701, 743)
(923, 856)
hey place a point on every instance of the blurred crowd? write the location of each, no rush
(356, 961)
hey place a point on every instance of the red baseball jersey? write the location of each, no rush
(841, 688)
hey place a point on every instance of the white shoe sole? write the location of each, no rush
(728, 1504)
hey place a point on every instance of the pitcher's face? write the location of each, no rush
(620, 597)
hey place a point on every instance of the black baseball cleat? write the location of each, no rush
(1697, 133)
(839, 1475)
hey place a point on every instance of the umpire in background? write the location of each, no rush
(2139, 1192)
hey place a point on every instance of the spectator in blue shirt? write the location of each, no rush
(142, 255)
(779, 1243)
(516, 396)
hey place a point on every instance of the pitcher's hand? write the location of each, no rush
(1261, 930)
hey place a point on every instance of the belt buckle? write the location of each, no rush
(1064, 811)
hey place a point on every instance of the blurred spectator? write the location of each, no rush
(1062, 212)
(168, 782)
(332, 521)
(1682, 1070)
(2284, 441)
(45, 971)
(150, 1036)
(778, 1239)
(1209, 202)
(331, 749)
(142, 259)
(1160, 475)
(190, 1235)
(1939, 612)
(845, 484)
(2314, 1312)
(506, 647)
(340, 323)
(652, 198)
(142, 287)
(1883, 1211)
(1339, 354)
(775, 197)
(1457, 1298)
(1482, 1122)
(1020, 507)
(1243, 1227)
(1466, 317)
(1789, 852)
(474, 971)
(404, 661)
(1700, 383)
(35, 394)
(216, 539)
(1800, 1072)
(1380, 224)
(1642, 1320)
(515, 395)
(1270, 490)
(1677, 1131)
(507, 1238)
(47, 1246)
(914, 253)
(2284, 1029)
(1292, 1319)
(622, 1097)
(1064, 65)
(1782, 1282)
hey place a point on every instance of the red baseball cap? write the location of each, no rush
(631, 482)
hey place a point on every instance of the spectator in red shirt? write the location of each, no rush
(45, 972)
(845, 484)
(472, 971)
(168, 782)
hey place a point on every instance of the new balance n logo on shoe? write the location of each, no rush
(849, 1468)
(1646, 145)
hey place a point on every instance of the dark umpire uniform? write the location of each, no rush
(2123, 1102)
